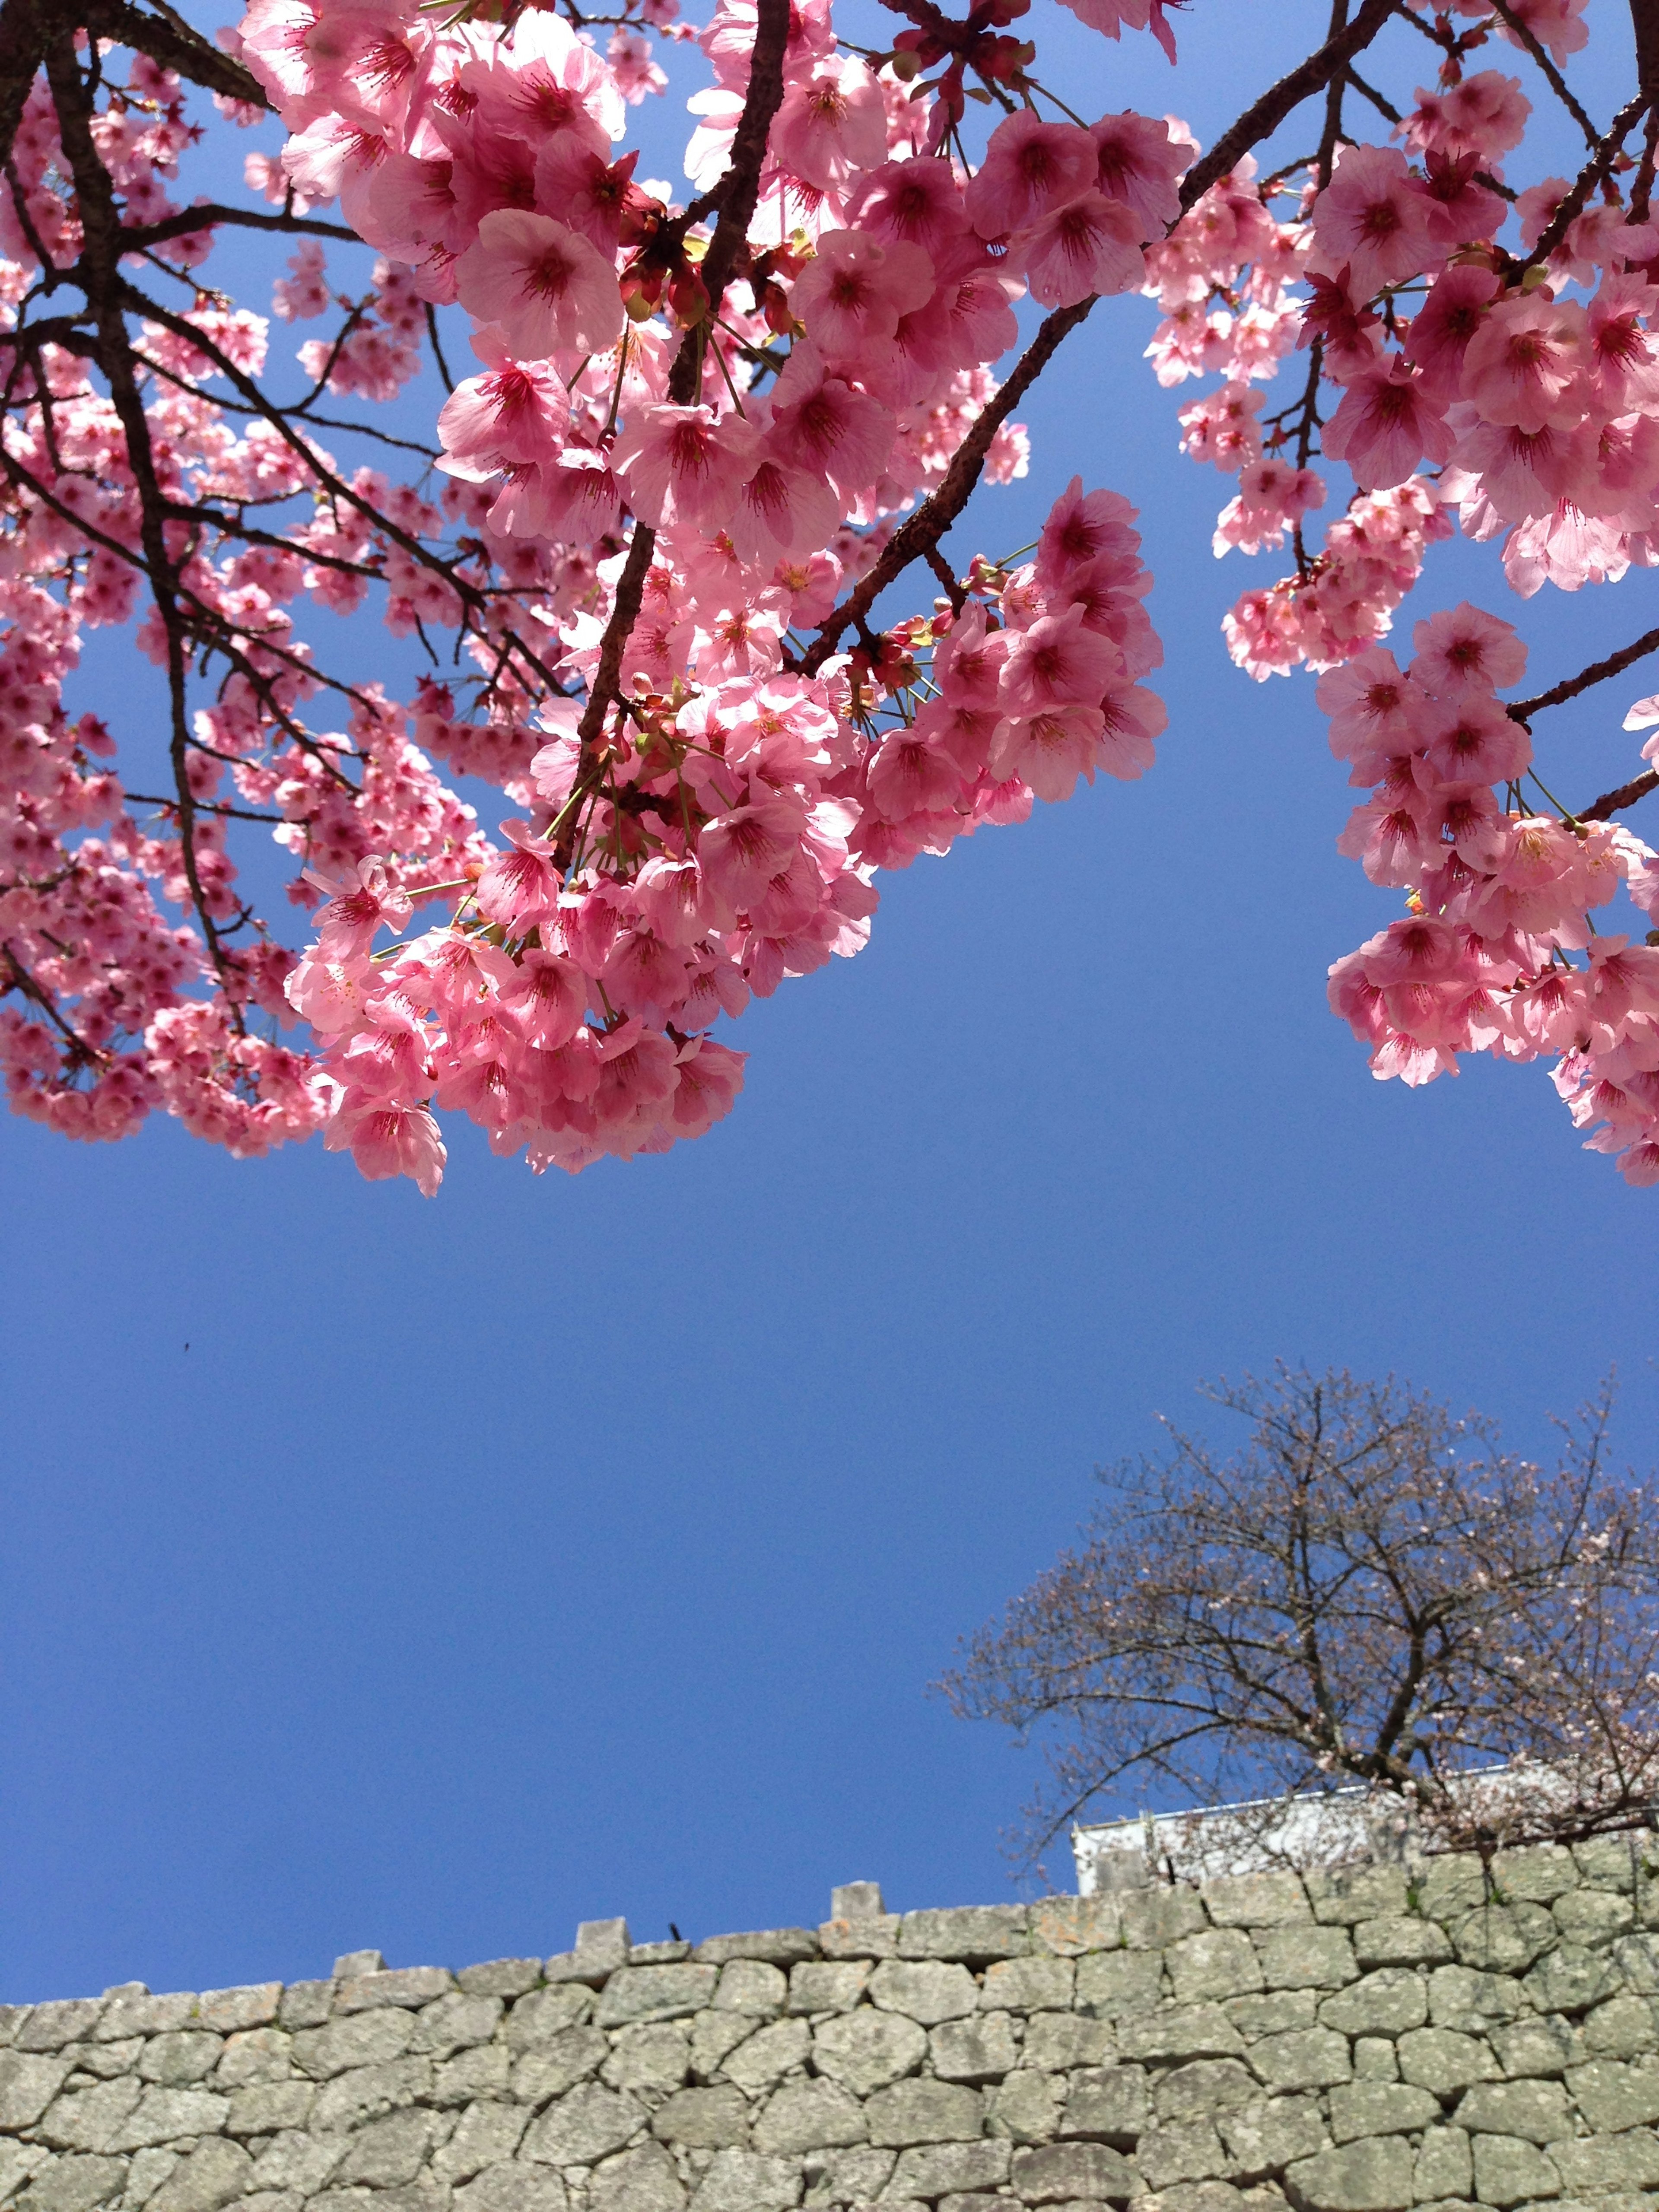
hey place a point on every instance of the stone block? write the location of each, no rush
(1375, 2059)
(479, 2073)
(1152, 1919)
(1062, 2173)
(1441, 2059)
(643, 2179)
(1195, 2197)
(858, 1900)
(371, 2039)
(922, 2111)
(1309, 2058)
(1379, 2108)
(1113, 1983)
(260, 2054)
(768, 2054)
(216, 2172)
(772, 1947)
(1202, 2088)
(1190, 2150)
(654, 2056)
(1273, 2012)
(520, 2188)
(1537, 2046)
(715, 2036)
(19, 2163)
(978, 2050)
(305, 2004)
(809, 2115)
(1508, 2171)
(28, 2082)
(88, 2119)
(489, 2134)
(1056, 2042)
(928, 1991)
(1025, 2106)
(351, 2101)
(135, 2012)
(1636, 1957)
(1451, 1883)
(505, 1979)
(1344, 1896)
(455, 2022)
(1176, 2031)
(164, 2115)
(704, 2119)
(1109, 2106)
(1219, 1962)
(1306, 1957)
(1401, 1938)
(544, 2014)
(1536, 2111)
(876, 1937)
(1388, 2000)
(1030, 1984)
(1537, 1874)
(973, 1934)
(939, 2169)
(1504, 1939)
(587, 2123)
(180, 2058)
(1626, 2161)
(866, 2050)
(1572, 1979)
(388, 2154)
(1069, 1926)
(1444, 2167)
(854, 2176)
(554, 2067)
(1257, 1901)
(74, 2185)
(229, 2012)
(1264, 2138)
(267, 2106)
(1610, 1862)
(66, 2019)
(1594, 1916)
(1623, 2027)
(1374, 2175)
(748, 2181)
(751, 1985)
(357, 1962)
(822, 1985)
(1472, 2003)
(1612, 2094)
(640, 1993)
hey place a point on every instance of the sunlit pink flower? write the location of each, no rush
(544, 283)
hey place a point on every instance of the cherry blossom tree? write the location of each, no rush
(1371, 1594)
(658, 543)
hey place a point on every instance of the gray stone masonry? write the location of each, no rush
(1352, 2041)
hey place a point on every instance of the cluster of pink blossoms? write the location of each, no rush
(699, 443)
(1499, 953)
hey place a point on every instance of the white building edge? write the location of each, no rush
(1327, 1828)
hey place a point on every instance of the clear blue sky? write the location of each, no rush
(560, 1549)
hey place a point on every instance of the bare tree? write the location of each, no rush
(1370, 1594)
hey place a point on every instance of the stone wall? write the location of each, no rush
(1358, 2041)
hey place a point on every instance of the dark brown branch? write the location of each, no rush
(1523, 710)
(205, 218)
(167, 38)
(1593, 172)
(925, 528)
(739, 188)
(1614, 802)
(1556, 82)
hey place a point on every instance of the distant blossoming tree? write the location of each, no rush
(645, 546)
(1371, 1594)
